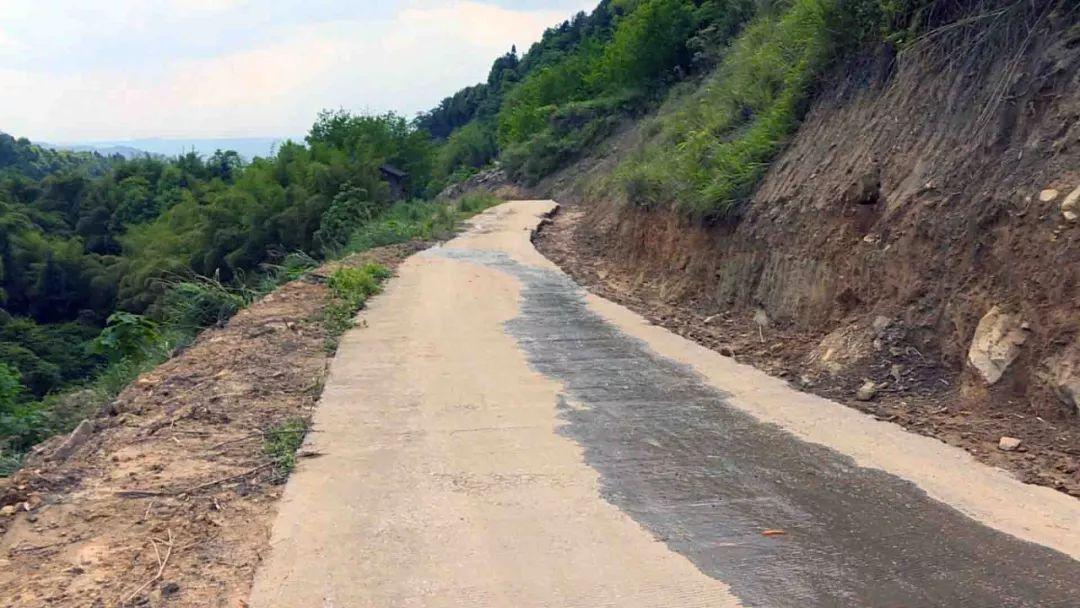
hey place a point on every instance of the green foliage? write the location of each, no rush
(475, 202)
(18, 421)
(282, 442)
(355, 285)
(20, 157)
(481, 103)
(707, 150)
(350, 287)
(349, 210)
(296, 265)
(470, 147)
(126, 336)
(562, 109)
(200, 302)
(10, 387)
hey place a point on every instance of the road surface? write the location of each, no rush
(494, 436)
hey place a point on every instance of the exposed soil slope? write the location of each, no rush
(170, 499)
(909, 205)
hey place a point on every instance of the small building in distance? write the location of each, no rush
(397, 179)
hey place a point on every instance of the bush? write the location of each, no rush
(126, 336)
(355, 285)
(191, 305)
(21, 424)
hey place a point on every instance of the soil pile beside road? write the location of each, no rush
(168, 497)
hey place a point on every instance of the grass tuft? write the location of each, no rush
(281, 444)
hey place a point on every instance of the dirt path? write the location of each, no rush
(492, 435)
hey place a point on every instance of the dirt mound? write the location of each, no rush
(168, 497)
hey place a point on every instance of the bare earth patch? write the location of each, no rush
(912, 390)
(170, 499)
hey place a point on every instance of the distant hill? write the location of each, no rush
(248, 147)
(23, 157)
(127, 152)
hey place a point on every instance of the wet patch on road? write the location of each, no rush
(709, 479)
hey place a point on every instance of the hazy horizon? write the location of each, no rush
(236, 69)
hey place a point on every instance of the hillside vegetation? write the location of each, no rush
(109, 265)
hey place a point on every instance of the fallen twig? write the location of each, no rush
(192, 490)
(162, 562)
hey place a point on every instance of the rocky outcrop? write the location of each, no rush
(1061, 372)
(996, 344)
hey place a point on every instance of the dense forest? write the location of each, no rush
(94, 250)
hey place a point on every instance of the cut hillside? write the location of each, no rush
(913, 249)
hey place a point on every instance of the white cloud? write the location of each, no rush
(205, 5)
(405, 62)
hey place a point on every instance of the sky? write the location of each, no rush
(77, 70)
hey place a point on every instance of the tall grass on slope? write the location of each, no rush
(707, 153)
(425, 220)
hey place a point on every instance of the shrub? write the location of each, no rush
(474, 202)
(126, 336)
(199, 302)
(355, 285)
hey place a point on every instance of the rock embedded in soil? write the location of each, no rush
(1070, 207)
(1061, 373)
(1009, 444)
(1048, 195)
(867, 391)
(74, 441)
(996, 344)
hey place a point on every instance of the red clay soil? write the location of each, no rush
(171, 499)
(918, 393)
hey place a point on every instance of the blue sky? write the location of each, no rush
(123, 69)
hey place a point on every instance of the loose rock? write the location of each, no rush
(1009, 444)
(8, 511)
(1048, 195)
(1070, 207)
(996, 344)
(867, 391)
(75, 440)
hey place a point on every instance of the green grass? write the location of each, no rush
(350, 288)
(424, 220)
(707, 150)
(281, 444)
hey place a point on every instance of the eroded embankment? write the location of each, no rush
(169, 501)
(916, 201)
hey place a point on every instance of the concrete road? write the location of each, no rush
(495, 436)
